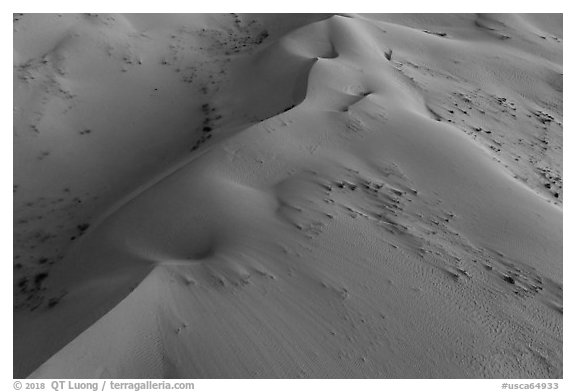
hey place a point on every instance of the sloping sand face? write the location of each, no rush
(288, 196)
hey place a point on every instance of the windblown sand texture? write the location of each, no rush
(287, 196)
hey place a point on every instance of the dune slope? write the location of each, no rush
(288, 196)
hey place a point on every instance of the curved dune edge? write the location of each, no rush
(357, 234)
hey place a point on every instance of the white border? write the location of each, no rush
(297, 6)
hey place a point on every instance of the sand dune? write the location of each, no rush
(323, 196)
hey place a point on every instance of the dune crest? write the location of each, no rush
(265, 196)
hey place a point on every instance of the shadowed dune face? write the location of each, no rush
(289, 196)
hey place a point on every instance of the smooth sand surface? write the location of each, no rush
(264, 196)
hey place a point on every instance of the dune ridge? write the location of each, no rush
(356, 196)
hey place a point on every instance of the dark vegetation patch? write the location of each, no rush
(53, 302)
(439, 34)
(39, 278)
(43, 227)
(211, 117)
(388, 54)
